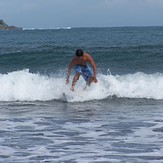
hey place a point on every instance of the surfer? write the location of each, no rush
(81, 67)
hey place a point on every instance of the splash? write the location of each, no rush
(26, 86)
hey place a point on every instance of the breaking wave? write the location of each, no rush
(26, 86)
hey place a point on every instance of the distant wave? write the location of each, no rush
(26, 86)
(29, 29)
(46, 28)
(63, 28)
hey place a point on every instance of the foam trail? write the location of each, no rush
(26, 86)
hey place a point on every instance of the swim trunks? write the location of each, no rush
(85, 71)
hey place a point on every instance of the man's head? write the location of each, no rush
(79, 53)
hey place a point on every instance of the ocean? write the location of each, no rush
(118, 119)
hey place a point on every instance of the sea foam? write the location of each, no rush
(26, 86)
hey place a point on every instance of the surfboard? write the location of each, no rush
(64, 97)
(70, 95)
(67, 96)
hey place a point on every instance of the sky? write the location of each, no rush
(81, 13)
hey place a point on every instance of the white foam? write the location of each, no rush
(26, 86)
(138, 85)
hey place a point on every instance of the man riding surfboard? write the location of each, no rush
(81, 67)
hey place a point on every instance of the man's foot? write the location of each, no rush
(72, 89)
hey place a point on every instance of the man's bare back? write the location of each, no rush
(82, 60)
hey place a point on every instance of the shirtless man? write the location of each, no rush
(81, 67)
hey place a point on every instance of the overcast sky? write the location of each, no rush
(81, 13)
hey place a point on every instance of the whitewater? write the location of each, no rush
(26, 86)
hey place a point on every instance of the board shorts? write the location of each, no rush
(85, 71)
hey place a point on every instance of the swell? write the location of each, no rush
(49, 58)
(43, 58)
(129, 59)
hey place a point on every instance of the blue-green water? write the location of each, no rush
(123, 50)
(119, 119)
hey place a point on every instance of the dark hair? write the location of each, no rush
(79, 53)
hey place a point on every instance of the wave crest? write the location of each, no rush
(25, 86)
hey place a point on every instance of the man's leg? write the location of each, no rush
(76, 77)
(89, 81)
(88, 75)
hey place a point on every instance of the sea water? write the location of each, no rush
(119, 119)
